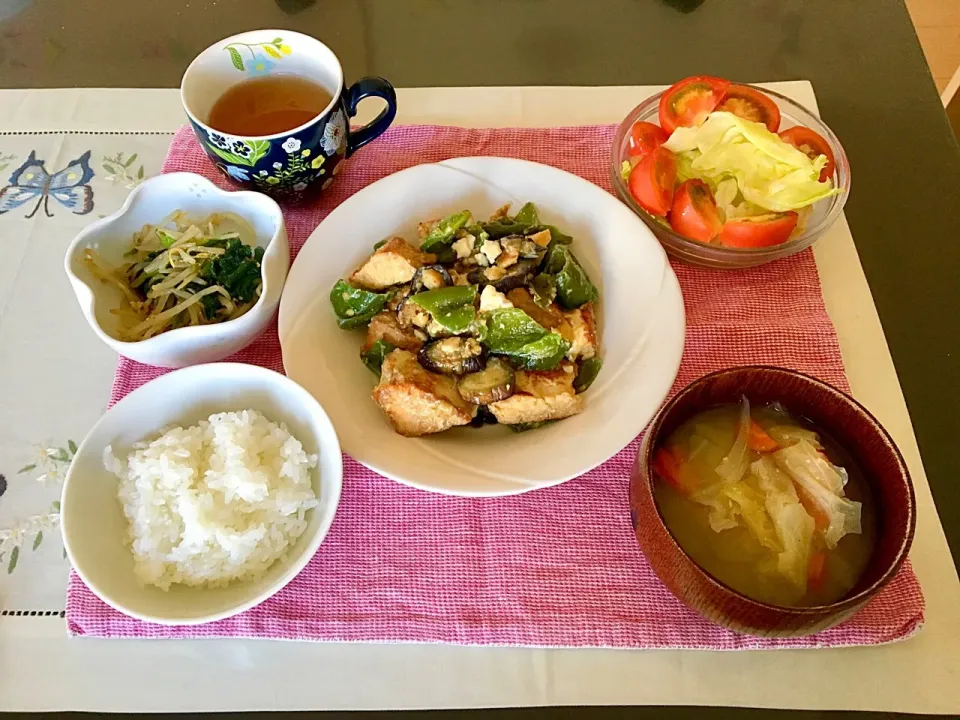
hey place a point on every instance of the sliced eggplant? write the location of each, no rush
(522, 247)
(495, 382)
(430, 277)
(483, 417)
(518, 275)
(452, 356)
(505, 279)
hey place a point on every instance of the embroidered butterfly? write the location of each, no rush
(31, 181)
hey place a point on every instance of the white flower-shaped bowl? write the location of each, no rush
(149, 203)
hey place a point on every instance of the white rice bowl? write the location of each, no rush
(215, 502)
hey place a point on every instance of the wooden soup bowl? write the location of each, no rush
(850, 425)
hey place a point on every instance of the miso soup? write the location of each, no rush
(767, 504)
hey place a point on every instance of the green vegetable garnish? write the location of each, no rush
(451, 307)
(573, 284)
(354, 307)
(237, 270)
(373, 358)
(380, 243)
(589, 369)
(166, 238)
(445, 231)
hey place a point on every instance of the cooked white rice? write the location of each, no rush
(214, 502)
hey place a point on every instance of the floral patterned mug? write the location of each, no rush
(285, 164)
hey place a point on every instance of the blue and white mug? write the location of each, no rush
(285, 164)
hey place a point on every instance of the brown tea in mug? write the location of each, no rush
(268, 105)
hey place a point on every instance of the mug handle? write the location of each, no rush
(367, 87)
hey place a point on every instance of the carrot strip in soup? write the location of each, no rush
(758, 440)
(821, 521)
(666, 464)
(817, 570)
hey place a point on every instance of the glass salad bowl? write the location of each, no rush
(821, 216)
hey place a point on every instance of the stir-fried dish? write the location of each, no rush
(766, 504)
(184, 272)
(485, 322)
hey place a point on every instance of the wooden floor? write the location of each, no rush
(938, 26)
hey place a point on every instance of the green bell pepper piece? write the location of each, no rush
(573, 284)
(544, 289)
(478, 232)
(354, 307)
(557, 237)
(527, 215)
(506, 330)
(445, 231)
(511, 332)
(501, 228)
(523, 223)
(373, 358)
(589, 369)
(543, 354)
(451, 307)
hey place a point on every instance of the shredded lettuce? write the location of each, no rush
(770, 174)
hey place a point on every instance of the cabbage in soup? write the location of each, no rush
(767, 504)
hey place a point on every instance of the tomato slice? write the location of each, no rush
(750, 104)
(758, 231)
(812, 144)
(651, 182)
(694, 213)
(645, 138)
(689, 101)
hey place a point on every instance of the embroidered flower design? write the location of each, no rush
(300, 186)
(262, 173)
(235, 172)
(291, 145)
(272, 180)
(305, 153)
(335, 133)
(326, 183)
(317, 161)
(336, 168)
(277, 166)
(219, 140)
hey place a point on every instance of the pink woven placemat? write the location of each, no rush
(556, 567)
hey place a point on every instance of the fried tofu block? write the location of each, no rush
(545, 395)
(384, 326)
(583, 333)
(417, 401)
(392, 264)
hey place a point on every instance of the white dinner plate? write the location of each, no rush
(640, 312)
